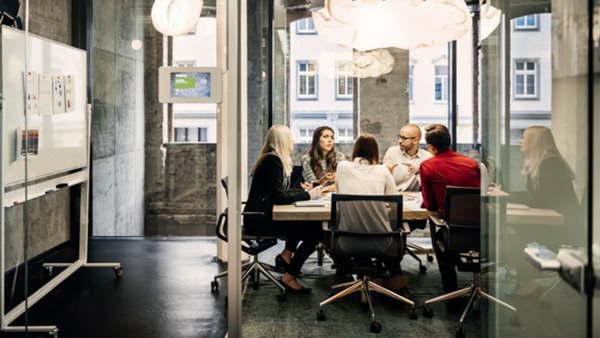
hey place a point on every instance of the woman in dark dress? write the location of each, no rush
(550, 186)
(271, 185)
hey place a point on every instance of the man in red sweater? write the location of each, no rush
(445, 168)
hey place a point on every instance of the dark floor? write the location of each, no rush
(164, 292)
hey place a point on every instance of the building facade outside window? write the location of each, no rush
(441, 83)
(305, 26)
(186, 134)
(185, 63)
(344, 135)
(527, 22)
(526, 79)
(305, 135)
(343, 80)
(307, 80)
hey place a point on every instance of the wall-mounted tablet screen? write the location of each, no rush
(190, 85)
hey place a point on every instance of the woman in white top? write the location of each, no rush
(366, 176)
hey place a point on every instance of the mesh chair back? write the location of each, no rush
(463, 217)
(365, 226)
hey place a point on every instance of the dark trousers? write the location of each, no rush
(301, 238)
(447, 261)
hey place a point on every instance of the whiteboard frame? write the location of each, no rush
(43, 185)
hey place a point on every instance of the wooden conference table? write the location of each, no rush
(412, 211)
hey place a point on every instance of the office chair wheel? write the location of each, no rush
(321, 315)
(281, 298)
(422, 268)
(429, 258)
(214, 286)
(375, 327)
(460, 333)
(427, 312)
(118, 271)
(413, 314)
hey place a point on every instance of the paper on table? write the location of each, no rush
(319, 202)
(516, 206)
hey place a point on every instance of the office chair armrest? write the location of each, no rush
(438, 221)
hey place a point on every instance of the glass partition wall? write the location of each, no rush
(535, 115)
(528, 121)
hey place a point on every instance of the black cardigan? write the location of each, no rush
(268, 188)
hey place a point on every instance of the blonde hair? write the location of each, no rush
(540, 145)
(277, 142)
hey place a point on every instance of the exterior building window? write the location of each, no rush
(527, 22)
(305, 26)
(189, 134)
(344, 135)
(441, 83)
(307, 80)
(305, 135)
(525, 85)
(185, 63)
(344, 81)
(411, 82)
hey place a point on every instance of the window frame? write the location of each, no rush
(305, 30)
(347, 74)
(411, 83)
(444, 82)
(536, 74)
(525, 26)
(307, 73)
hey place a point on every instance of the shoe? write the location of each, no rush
(280, 263)
(289, 289)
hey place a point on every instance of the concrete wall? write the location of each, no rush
(117, 119)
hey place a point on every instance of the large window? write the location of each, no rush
(525, 80)
(527, 22)
(195, 122)
(307, 79)
(343, 80)
(305, 135)
(441, 84)
(305, 26)
(344, 135)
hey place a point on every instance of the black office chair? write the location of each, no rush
(411, 248)
(361, 250)
(463, 220)
(252, 245)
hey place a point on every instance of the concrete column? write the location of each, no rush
(383, 102)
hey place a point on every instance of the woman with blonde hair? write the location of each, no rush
(271, 185)
(549, 178)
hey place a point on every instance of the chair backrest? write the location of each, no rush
(296, 177)
(363, 226)
(463, 217)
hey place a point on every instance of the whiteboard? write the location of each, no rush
(62, 144)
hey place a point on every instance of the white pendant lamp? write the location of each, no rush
(405, 24)
(176, 17)
(372, 63)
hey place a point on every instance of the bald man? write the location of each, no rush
(404, 159)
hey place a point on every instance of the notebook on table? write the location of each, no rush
(319, 202)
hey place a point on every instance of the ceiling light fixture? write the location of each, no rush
(176, 17)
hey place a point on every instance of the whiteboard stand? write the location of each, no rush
(64, 154)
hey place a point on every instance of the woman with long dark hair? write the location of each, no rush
(320, 164)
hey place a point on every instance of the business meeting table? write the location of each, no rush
(411, 210)
(515, 214)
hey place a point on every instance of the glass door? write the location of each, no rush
(535, 93)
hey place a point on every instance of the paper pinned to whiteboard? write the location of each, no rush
(33, 94)
(45, 90)
(69, 93)
(58, 94)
